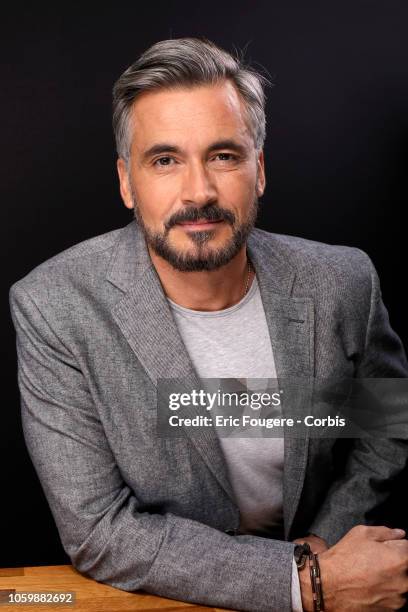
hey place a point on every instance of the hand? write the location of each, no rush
(365, 571)
(317, 545)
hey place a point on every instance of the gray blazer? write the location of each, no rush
(95, 333)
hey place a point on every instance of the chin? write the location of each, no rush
(205, 251)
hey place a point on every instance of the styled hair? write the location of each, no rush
(186, 62)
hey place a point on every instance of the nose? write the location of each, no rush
(198, 187)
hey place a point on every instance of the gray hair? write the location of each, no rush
(186, 62)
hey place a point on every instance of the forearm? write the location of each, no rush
(182, 559)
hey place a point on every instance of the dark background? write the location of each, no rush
(337, 151)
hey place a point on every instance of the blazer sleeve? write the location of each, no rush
(373, 463)
(96, 513)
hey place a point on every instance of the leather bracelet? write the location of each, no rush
(314, 568)
(301, 554)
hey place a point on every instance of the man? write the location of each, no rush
(191, 289)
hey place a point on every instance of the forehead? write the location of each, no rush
(189, 116)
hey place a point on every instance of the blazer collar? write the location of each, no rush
(145, 318)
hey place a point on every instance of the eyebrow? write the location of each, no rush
(164, 147)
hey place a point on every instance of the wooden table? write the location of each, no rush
(90, 596)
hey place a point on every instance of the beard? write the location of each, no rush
(203, 256)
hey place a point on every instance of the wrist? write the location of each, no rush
(328, 575)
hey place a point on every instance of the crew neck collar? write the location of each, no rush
(216, 313)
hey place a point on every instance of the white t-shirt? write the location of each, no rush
(235, 343)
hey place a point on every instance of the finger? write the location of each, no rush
(397, 544)
(381, 534)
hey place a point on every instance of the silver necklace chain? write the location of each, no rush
(247, 279)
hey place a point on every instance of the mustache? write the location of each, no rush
(212, 212)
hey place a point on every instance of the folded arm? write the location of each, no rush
(97, 514)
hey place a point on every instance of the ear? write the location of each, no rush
(124, 183)
(260, 179)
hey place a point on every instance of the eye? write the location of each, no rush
(163, 161)
(225, 157)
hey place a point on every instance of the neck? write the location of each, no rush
(206, 290)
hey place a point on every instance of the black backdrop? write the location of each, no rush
(337, 151)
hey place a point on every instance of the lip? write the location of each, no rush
(204, 224)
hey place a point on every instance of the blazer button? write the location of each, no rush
(231, 531)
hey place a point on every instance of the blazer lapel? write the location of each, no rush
(291, 328)
(146, 321)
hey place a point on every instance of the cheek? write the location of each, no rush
(237, 190)
(155, 201)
